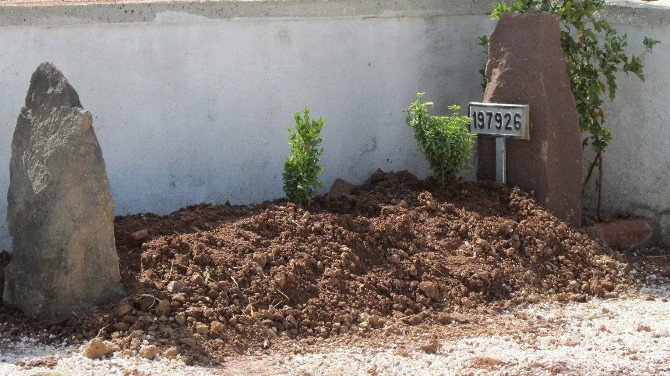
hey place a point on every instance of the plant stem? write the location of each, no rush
(593, 164)
(599, 183)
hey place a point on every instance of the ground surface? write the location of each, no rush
(215, 281)
(397, 274)
(623, 336)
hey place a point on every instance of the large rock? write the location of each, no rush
(60, 209)
(526, 66)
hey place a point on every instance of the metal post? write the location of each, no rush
(501, 168)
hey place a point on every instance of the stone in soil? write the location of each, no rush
(148, 352)
(96, 348)
(429, 289)
(163, 308)
(430, 347)
(340, 188)
(171, 353)
(174, 286)
(60, 210)
(140, 235)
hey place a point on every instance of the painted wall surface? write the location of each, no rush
(191, 100)
(637, 162)
(194, 110)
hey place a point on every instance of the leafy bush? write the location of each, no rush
(594, 53)
(301, 168)
(444, 140)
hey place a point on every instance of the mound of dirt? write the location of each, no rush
(208, 281)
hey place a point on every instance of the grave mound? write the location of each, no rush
(219, 280)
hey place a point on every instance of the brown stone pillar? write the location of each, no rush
(527, 66)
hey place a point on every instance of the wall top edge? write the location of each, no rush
(636, 13)
(109, 12)
(639, 13)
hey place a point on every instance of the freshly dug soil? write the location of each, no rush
(218, 280)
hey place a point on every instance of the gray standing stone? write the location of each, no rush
(60, 209)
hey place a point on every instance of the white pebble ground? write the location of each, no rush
(624, 336)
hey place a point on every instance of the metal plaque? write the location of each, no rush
(500, 120)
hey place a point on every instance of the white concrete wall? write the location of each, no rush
(637, 162)
(191, 100)
(192, 109)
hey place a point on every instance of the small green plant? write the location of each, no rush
(594, 53)
(301, 169)
(444, 140)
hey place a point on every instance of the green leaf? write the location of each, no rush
(498, 9)
(649, 43)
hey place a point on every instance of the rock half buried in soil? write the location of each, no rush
(96, 349)
(60, 210)
(340, 188)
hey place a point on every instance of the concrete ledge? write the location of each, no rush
(639, 13)
(625, 12)
(180, 11)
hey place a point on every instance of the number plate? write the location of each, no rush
(500, 120)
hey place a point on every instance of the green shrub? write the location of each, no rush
(444, 140)
(301, 168)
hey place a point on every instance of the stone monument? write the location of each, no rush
(527, 66)
(60, 209)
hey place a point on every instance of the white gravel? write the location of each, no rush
(625, 336)
(602, 337)
(71, 362)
